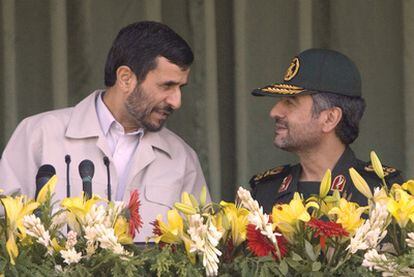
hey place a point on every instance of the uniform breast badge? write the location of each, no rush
(339, 183)
(285, 183)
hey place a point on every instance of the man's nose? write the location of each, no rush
(276, 111)
(174, 99)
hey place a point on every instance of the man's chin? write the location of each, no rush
(281, 145)
(153, 127)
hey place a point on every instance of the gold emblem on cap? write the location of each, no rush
(292, 70)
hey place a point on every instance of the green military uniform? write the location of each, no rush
(314, 71)
(279, 184)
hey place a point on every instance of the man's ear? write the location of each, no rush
(125, 78)
(331, 118)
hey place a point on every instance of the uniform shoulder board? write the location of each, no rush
(387, 169)
(271, 172)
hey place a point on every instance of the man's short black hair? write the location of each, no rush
(139, 44)
(352, 108)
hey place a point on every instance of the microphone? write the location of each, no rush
(67, 161)
(43, 175)
(108, 187)
(86, 171)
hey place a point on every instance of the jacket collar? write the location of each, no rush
(346, 161)
(84, 123)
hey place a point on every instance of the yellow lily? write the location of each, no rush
(360, 183)
(376, 164)
(203, 196)
(409, 186)
(15, 210)
(401, 206)
(348, 214)
(237, 218)
(329, 202)
(325, 184)
(56, 246)
(48, 188)
(121, 229)
(381, 197)
(286, 217)
(12, 249)
(77, 208)
(188, 204)
(173, 232)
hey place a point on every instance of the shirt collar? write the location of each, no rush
(105, 117)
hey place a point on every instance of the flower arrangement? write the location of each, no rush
(321, 235)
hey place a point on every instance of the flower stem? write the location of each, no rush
(395, 238)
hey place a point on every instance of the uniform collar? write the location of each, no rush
(345, 161)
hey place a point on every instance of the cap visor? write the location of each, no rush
(278, 90)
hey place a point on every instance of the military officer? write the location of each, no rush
(316, 117)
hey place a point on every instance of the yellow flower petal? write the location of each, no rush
(203, 196)
(325, 184)
(12, 249)
(401, 207)
(348, 214)
(48, 188)
(360, 183)
(376, 164)
(409, 186)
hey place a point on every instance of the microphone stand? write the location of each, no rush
(106, 162)
(67, 161)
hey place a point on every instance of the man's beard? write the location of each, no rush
(139, 107)
(296, 138)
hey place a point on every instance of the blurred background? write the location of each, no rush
(53, 54)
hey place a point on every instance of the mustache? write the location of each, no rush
(281, 123)
(164, 109)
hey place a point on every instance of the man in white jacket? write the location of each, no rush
(120, 129)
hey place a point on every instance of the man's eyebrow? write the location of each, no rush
(169, 83)
(173, 83)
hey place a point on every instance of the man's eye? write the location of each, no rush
(166, 86)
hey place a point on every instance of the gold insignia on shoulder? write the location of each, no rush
(387, 170)
(269, 172)
(276, 170)
(292, 70)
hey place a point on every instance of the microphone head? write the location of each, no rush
(86, 169)
(106, 160)
(67, 159)
(43, 175)
(45, 170)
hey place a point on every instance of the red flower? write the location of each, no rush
(261, 246)
(135, 221)
(327, 228)
(156, 230)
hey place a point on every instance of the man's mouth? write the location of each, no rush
(280, 127)
(165, 113)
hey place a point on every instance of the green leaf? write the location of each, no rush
(296, 257)
(309, 251)
(316, 266)
(283, 267)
